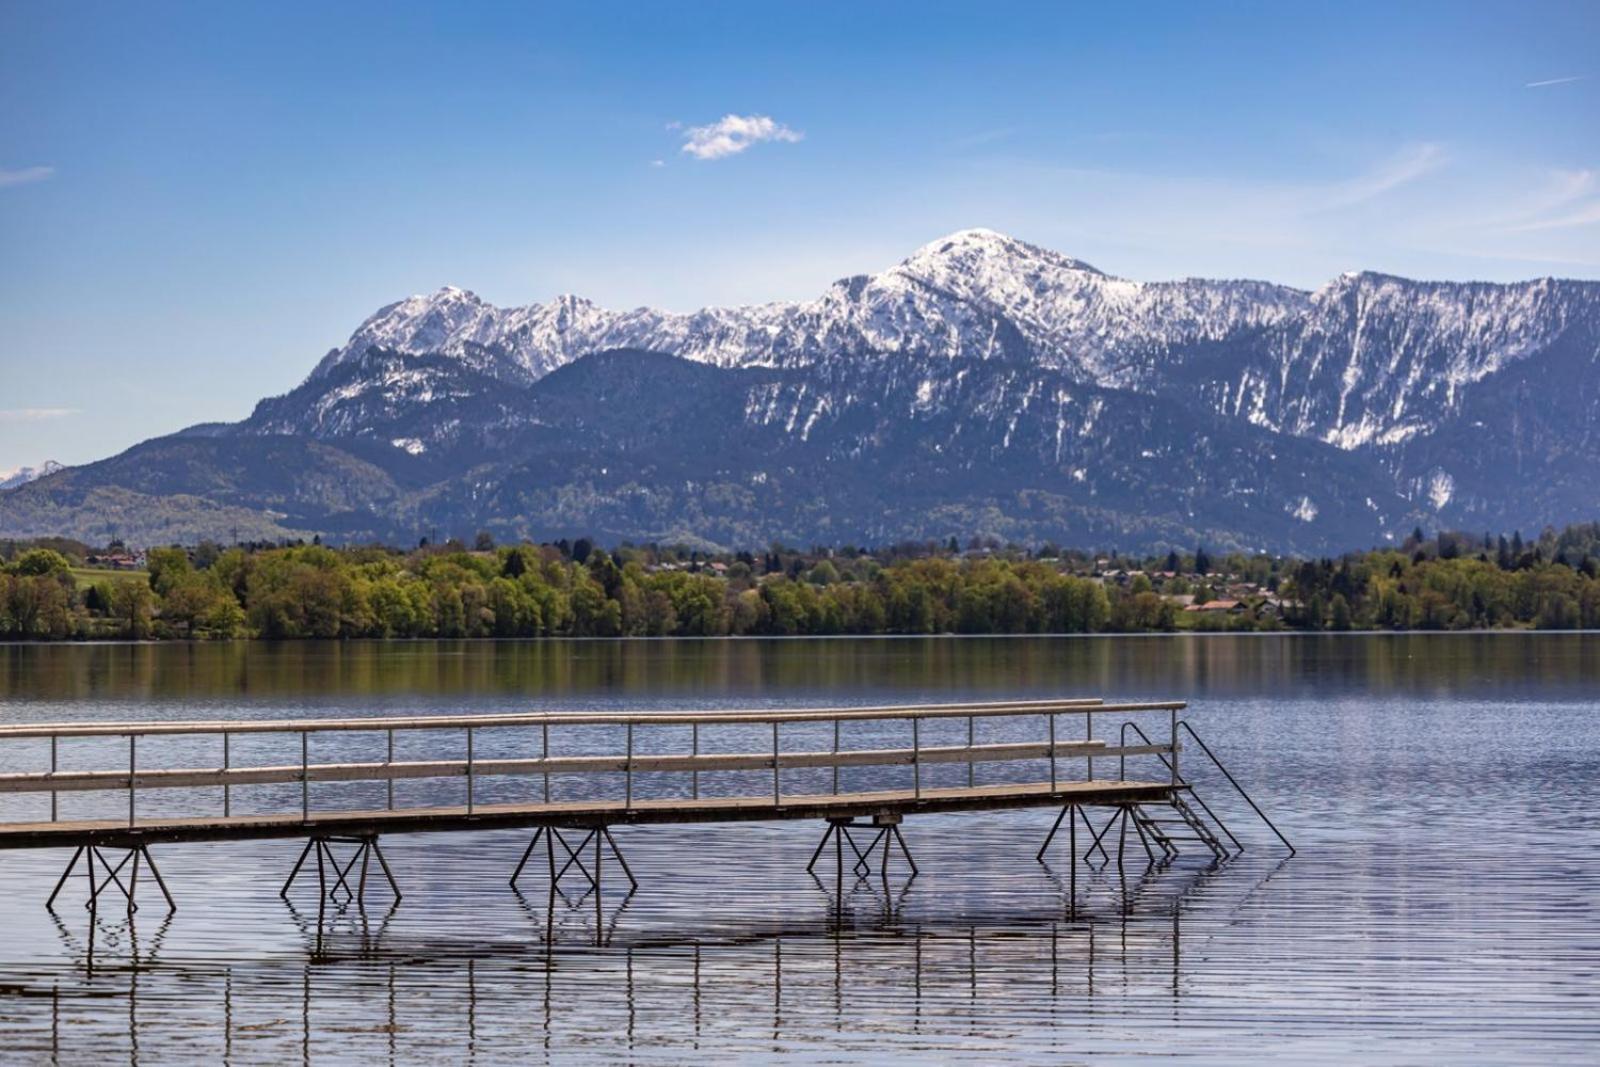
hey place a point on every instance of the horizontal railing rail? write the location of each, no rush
(661, 718)
(289, 773)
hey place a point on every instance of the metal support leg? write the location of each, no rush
(537, 834)
(633, 883)
(383, 864)
(1039, 856)
(1087, 825)
(155, 872)
(293, 874)
(1072, 864)
(71, 865)
(830, 832)
(574, 857)
(904, 851)
(1098, 838)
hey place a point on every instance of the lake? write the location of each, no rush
(1443, 791)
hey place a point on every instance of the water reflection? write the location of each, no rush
(524, 672)
(783, 990)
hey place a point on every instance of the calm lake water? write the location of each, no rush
(1444, 792)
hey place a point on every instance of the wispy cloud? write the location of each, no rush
(1582, 215)
(24, 175)
(1402, 168)
(1557, 81)
(732, 134)
(35, 414)
(1570, 198)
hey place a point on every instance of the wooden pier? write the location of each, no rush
(585, 772)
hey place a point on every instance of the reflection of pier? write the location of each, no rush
(589, 772)
(354, 997)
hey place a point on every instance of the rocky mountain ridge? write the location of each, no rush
(982, 385)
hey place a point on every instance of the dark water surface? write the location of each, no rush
(1445, 904)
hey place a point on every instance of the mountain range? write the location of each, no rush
(983, 386)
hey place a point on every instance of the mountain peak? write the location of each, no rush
(24, 475)
(964, 248)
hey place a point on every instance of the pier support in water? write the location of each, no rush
(593, 837)
(886, 835)
(132, 855)
(1075, 811)
(333, 874)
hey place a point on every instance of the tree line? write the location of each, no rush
(562, 589)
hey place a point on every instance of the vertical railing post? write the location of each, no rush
(627, 773)
(1052, 719)
(916, 762)
(694, 750)
(53, 809)
(1172, 742)
(1088, 735)
(835, 757)
(388, 770)
(227, 788)
(971, 743)
(777, 796)
(544, 755)
(471, 778)
(132, 766)
(305, 780)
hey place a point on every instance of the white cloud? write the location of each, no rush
(24, 175)
(1557, 81)
(732, 134)
(658, 162)
(35, 414)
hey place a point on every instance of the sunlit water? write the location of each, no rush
(1445, 904)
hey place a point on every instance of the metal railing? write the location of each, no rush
(1183, 726)
(629, 762)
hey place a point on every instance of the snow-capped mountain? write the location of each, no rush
(952, 297)
(1367, 359)
(24, 475)
(982, 385)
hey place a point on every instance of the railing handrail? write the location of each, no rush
(1235, 783)
(1085, 706)
(609, 763)
(1212, 756)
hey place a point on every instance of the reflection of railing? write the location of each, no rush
(1184, 726)
(628, 762)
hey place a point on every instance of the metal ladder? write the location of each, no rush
(1157, 829)
(1197, 826)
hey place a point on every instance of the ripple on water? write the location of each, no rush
(1444, 906)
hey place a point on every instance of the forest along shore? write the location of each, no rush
(59, 589)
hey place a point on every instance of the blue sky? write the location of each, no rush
(197, 201)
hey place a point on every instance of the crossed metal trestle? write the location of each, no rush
(594, 836)
(132, 855)
(333, 874)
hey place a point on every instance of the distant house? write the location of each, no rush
(116, 561)
(1217, 607)
(1183, 600)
